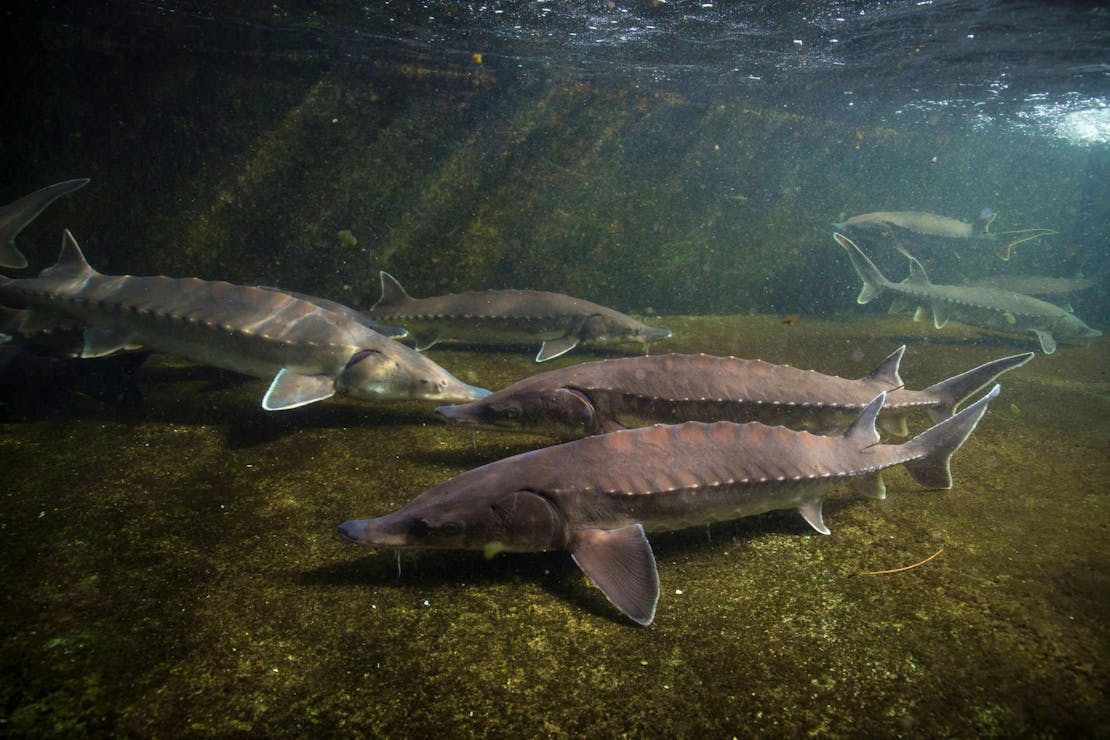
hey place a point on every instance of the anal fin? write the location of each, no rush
(290, 390)
(811, 512)
(871, 486)
(100, 341)
(424, 339)
(940, 315)
(621, 564)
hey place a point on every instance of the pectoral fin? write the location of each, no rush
(621, 564)
(1048, 342)
(290, 390)
(104, 341)
(552, 348)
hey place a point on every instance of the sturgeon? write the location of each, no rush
(309, 351)
(596, 497)
(15, 216)
(559, 321)
(990, 308)
(604, 396)
(933, 225)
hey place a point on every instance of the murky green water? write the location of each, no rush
(177, 569)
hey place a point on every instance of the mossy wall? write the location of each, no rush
(260, 167)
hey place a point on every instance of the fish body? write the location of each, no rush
(989, 308)
(1035, 285)
(917, 222)
(15, 216)
(931, 224)
(597, 497)
(559, 321)
(309, 351)
(604, 396)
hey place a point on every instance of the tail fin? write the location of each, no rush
(952, 392)
(873, 281)
(14, 217)
(933, 448)
(392, 293)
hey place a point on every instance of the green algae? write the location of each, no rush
(177, 568)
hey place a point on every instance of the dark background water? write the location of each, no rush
(661, 157)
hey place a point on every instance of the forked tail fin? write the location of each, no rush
(933, 448)
(873, 281)
(949, 394)
(15, 216)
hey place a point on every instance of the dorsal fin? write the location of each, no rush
(71, 263)
(887, 371)
(392, 293)
(862, 431)
(917, 273)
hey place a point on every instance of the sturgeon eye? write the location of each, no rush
(361, 355)
(452, 528)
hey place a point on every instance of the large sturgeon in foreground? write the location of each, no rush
(990, 308)
(595, 497)
(309, 351)
(559, 321)
(604, 396)
(15, 216)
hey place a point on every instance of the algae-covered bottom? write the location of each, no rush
(176, 569)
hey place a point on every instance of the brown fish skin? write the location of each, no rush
(308, 351)
(559, 321)
(595, 497)
(599, 397)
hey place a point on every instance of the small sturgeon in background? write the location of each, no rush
(932, 225)
(559, 321)
(15, 216)
(990, 308)
(595, 497)
(604, 396)
(310, 352)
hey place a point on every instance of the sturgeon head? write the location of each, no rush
(532, 406)
(1070, 326)
(614, 327)
(479, 510)
(394, 372)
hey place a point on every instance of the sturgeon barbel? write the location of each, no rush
(309, 351)
(596, 497)
(604, 396)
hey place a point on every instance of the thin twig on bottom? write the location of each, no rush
(896, 570)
